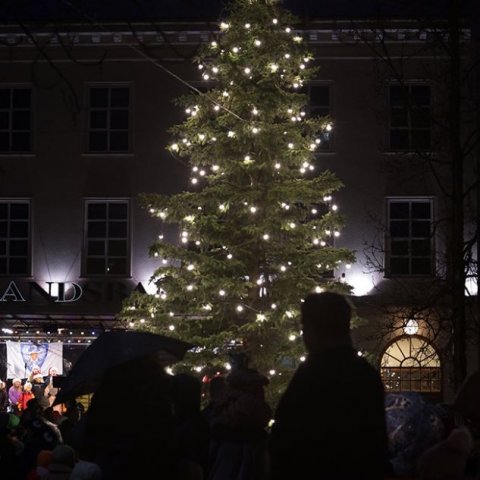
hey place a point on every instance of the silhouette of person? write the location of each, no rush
(331, 418)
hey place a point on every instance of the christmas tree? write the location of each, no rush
(258, 223)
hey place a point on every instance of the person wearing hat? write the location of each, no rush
(14, 394)
(10, 445)
(331, 418)
(63, 461)
(25, 397)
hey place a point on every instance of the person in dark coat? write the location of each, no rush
(331, 418)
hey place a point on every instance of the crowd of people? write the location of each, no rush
(330, 422)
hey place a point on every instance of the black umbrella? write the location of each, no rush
(115, 348)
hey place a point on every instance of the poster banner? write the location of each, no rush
(25, 357)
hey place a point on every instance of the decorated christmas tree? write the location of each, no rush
(257, 225)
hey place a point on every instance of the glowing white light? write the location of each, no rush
(229, 256)
(235, 49)
(283, 268)
(215, 69)
(272, 372)
(288, 29)
(289, 314)
(207, 307)
(336, 234)
(261, 317)
(360, 354)
(190, 267)
(239, 308)
(292, 337)
(253, 209)
(247, 25)
(274, 306)
(274, 21)
(334, 208)
(222, 207)
(273, 67)
(225, 94)
(257, 43)
(297, 39)
(198, 369)
(189, 288)
(206, 76)
(314, 211)
(266, 236)
(255, 130)
(329, 127)
(231, 133)
(291, 145)
(216, 108)
(201, 136)
(247, 70)
(255, 111)
(318, 289)
(194, 180)
(174, 147)
(292, 225)
(224, 26)
(171, 328)
(287, 55)
(277, 166)
(222, 293)
(316, 241)
(411, 327)
(214, 44)
(215, 168)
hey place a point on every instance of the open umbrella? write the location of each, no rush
(115, 348)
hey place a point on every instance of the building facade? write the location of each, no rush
(85, 109)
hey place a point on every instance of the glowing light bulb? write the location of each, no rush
(224, 26)
(216, 108)
(194, 181)
(255, 111)
(297, 39)
(174, 147)
(214, 44)
(171, 328)
(247, 26)
(277, 166)
(273, 67)
(247, 70)
(287, 55)
(239, 308)
(274, 21)
(253, 209)
(266, 236)
(215, 69)
(292, 225)
(229, 256)
(288, 30)
(255, 130)
(235, 49)
(290, 145)
(231, 134)
(292, 337)
(222, 293)
(257, 43)
(190, 267)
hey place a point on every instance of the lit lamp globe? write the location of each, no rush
(411, 327)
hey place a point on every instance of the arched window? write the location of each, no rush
(411, 364)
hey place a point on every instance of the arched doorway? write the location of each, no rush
(411, 364)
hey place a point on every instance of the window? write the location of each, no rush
(410, 121)
(14, 238)
(15, 120)
(319, 106)
(410, 245)
(411, 364)
(107, 246)
(108, 119)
